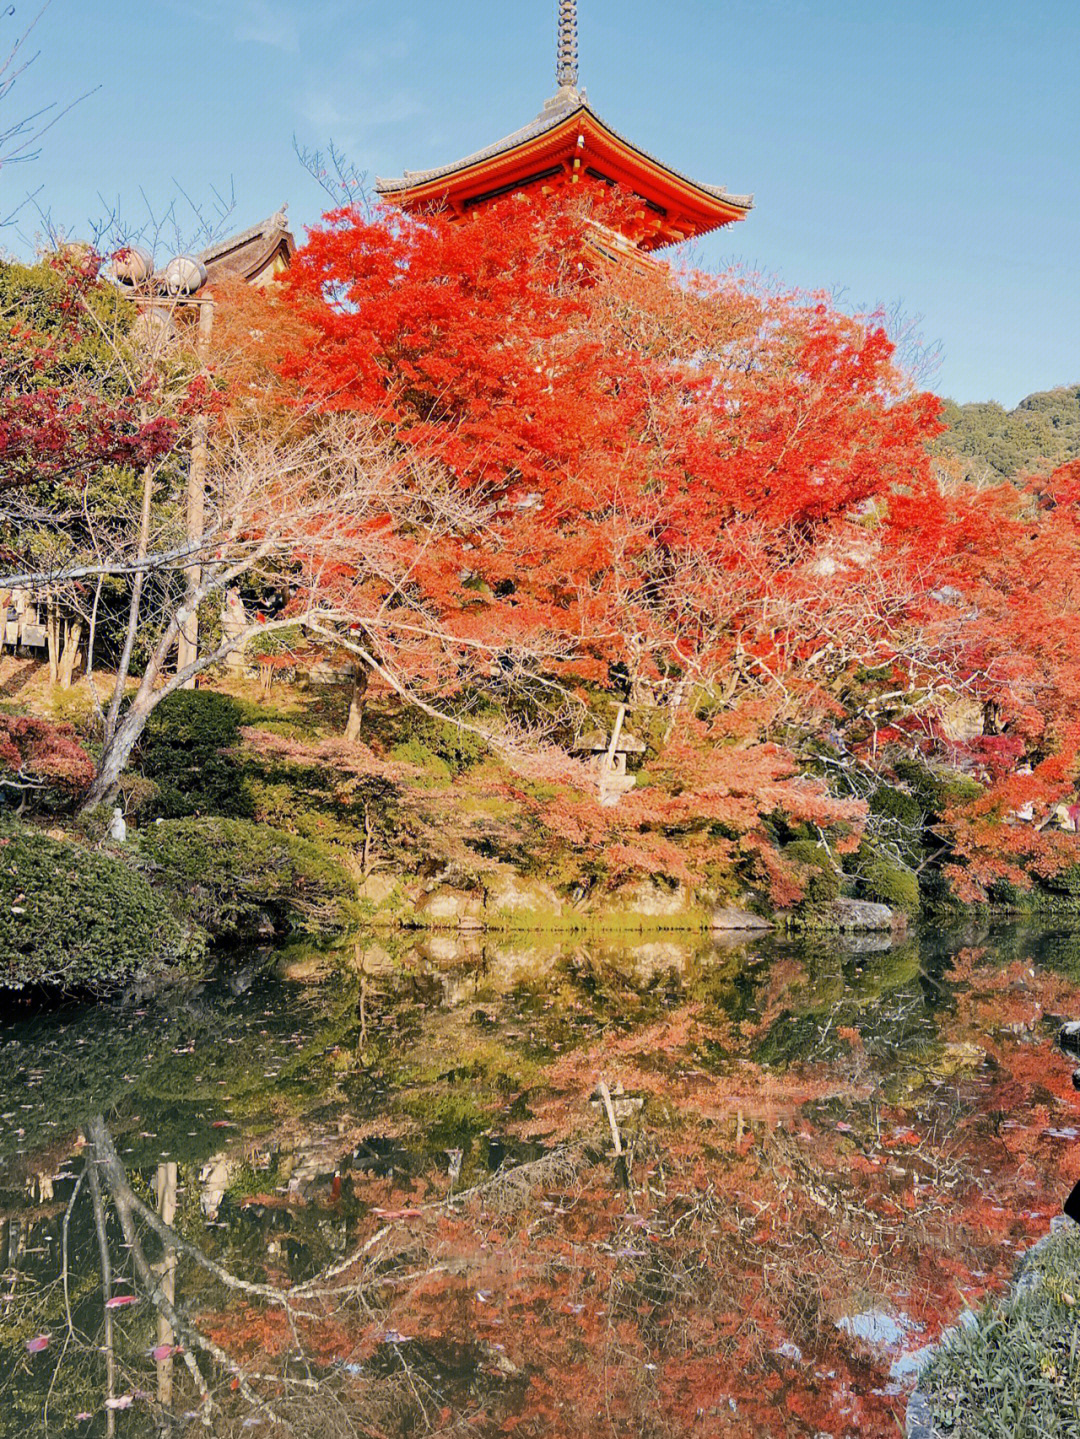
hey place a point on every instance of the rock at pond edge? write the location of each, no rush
(741, 919)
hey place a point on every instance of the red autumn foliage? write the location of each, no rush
(718, 489)
(1014, 555)
(665, 463)
(38, 754)
(63, 415)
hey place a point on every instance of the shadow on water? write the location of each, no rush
(456, 1186)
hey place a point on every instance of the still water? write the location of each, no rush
(446, 1188)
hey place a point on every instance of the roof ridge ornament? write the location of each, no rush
(566, 73)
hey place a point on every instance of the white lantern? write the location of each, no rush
(75, 252)
(184, 275)
(154, 328)
(133, 265)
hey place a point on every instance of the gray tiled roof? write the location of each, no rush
(271, 229)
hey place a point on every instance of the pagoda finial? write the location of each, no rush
(567, 72)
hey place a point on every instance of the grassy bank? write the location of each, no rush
(1014, 1373)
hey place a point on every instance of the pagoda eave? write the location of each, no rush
(573, 148)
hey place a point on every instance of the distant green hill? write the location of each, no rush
(1041, 433)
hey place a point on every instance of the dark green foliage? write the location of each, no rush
(77, 919)
(238, 878)
(821, 883)
(1067, 882)
(889, 883)
(897, 824)
(39, 297)
(188, 750)
(417, 738)
(1008, 895)
(892, 803)
(1040, 434)
(934, 791)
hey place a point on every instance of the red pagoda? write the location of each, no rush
(565, 142)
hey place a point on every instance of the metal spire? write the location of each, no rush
(567, 71)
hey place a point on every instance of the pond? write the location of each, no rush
(441, 1187)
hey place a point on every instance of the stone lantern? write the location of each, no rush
(607, 755)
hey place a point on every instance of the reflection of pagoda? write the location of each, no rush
(566, 141)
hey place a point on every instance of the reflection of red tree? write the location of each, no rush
(763, 1206)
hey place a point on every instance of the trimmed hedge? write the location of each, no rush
(236, 877)
(76, 919)
(188, 750)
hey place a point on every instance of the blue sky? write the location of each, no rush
(924, 153)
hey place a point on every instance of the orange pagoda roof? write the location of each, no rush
(568, 142)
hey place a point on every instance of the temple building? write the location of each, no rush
(258, 255)
(566, 142)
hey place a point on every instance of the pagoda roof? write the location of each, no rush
(568, 138)
(256, 254)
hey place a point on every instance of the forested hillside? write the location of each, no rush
(1040, 434)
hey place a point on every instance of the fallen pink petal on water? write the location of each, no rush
(82, 1418)
(165, 1351)
(119, 1300)
(122, 1401)
(37, 1344)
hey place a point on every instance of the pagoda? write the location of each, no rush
(566, 142)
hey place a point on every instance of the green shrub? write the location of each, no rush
(185, 750)
(934, 790)
(234, 876)
(420, 739)
(893, 803)
(277, 642)
(414, 752)
(821, 883)
(1067, 881)
(890, 884)
(76, 919)
(1010, 895)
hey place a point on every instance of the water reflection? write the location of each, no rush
(462, 1186)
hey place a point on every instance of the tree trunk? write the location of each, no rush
(106, 1292)
(356, 703)
(52, 637)
(91, 639)
(121, 737)
(368, 835)
(133, 609)
(70, 656)
(187, 646)
(165, 1187)
(675, 703)
(117, 752)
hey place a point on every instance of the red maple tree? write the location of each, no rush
(67, 407)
